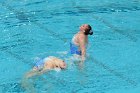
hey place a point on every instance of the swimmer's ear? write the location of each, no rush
(64, 61)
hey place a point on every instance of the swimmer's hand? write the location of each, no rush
(83, 59)
(81, 65)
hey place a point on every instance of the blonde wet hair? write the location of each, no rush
(54, 62)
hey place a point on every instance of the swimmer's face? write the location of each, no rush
(83, 27)
(63, 65)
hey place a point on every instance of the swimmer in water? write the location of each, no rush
(46, 64)
(42, 66)
(80, 41)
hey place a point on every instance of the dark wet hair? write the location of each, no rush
(88, 31)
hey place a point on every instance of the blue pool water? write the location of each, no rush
(39, 28)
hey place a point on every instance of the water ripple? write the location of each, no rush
(35, 3)
(12, 87)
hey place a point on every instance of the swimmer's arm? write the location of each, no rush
(35, 72)
(82, 47)
(44, 70)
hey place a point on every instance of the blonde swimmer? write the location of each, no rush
(46, 64)
(41, 67)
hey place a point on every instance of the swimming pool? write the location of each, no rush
(39, 28)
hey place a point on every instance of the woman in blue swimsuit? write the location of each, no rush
(80, 41)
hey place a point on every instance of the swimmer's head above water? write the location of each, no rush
(87, 29)
(46, 64)
(58, 63)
